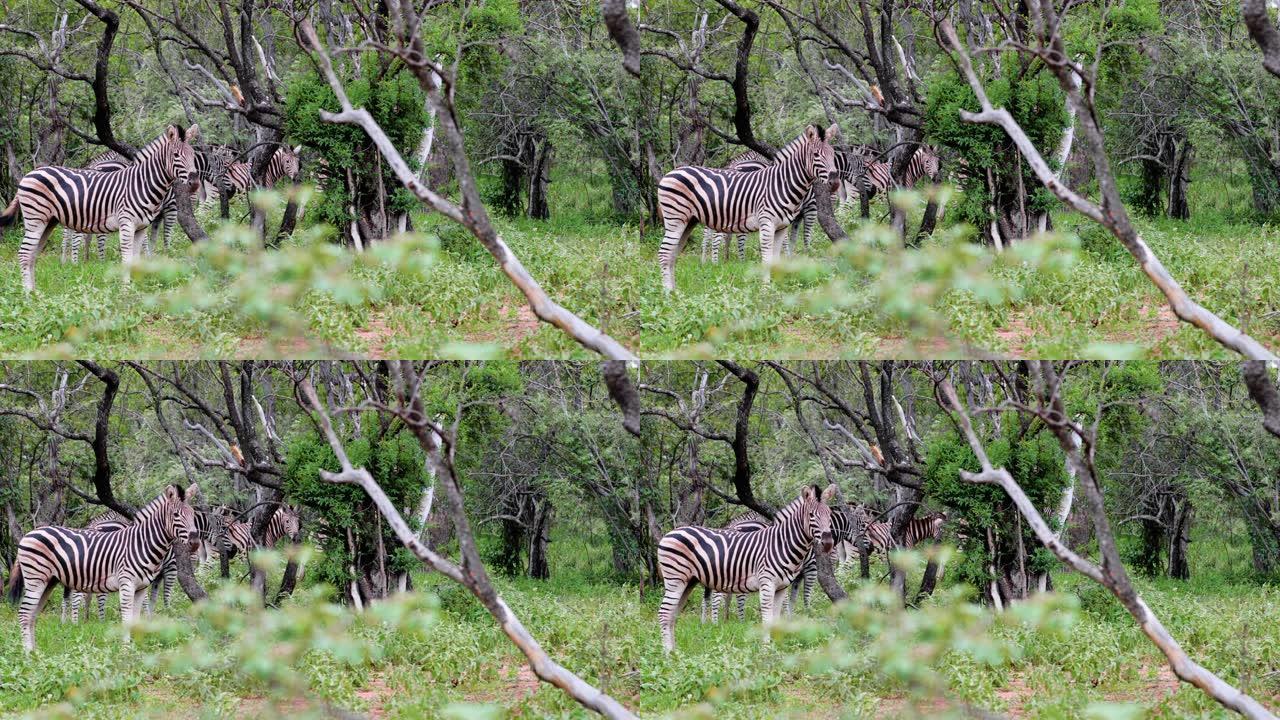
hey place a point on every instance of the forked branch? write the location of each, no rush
(470, 574)
(1111, 574)
(1111, 213)
(471, 214)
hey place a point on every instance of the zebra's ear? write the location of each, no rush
(173, 132)
(812, 132)
(830, 493)
(297, 149)
(193, 134)
(833, 133)
(809, 493)
(193, 491)
(173, 492)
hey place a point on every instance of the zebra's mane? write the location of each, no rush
(799, 141)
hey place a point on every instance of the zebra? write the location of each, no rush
(765, 560)
(852, 168)
(927, 527)
(108, 161)
(235, 539)
(109, 521)
(749, 521)
(126, 560)
(748, 161)
(846, 526)
(878, 177)
(92, 201)
(732, 201)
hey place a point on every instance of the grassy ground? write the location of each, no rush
(462, 666)
(450, 299)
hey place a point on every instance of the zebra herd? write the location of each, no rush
(754, 554)
(112, 194)
(751, 193)
(115, 554)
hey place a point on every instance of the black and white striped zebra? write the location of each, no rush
(73, 241)
(919, 529)
(731, 201)
(126, 560)
(109, 521)
(878, 178)
(749, 521)
(748, 161)
(235, 540)
(847, 525)
(95, 202)
(850, 167)
(766, 560)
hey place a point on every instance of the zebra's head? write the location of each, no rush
(182, 518)
(182, 157)
(929, 162)
(822, 155)
(290, 521)
(289, 161)
(817, 515)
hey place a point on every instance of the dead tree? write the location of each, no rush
(438, 442)
(438, 82)
(1077, 82)
(1078, 442)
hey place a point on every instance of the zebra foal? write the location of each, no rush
(89, 201)
(126, 560)
(765, 560)
(730, 201)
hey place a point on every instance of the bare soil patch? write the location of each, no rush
(375, 336)
(374, 694)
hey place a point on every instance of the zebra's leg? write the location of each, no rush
(792, 592)
(673, 599)
(707, 236)
(170, 219)
(742, 246)
(102, 606)
(153, 598)
(767, 254)
(127, 254)
(717, 244)
(705, 592)
(102, 248)
(717, 604)
(36, 234)
(66, 244)
(809, 579)
(742, 606)
(793, 233)
(35, 592)
(767, 614)
(809, 219)
(127, 615)
(677, 234)
(77, 605)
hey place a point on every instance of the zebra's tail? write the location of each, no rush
(10, 213)
(15, 583)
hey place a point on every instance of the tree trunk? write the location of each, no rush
(539, 180)
(928, 582)
(540, 538)
(1179, 569)
(1179, 183)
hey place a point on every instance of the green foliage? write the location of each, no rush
(1033, 459)
(395, 101)
(1037, 104)
(396, 462)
